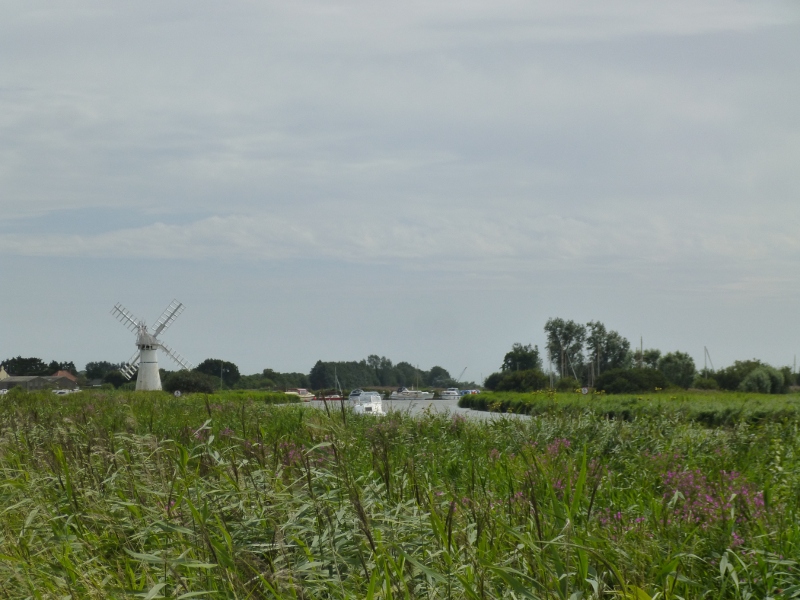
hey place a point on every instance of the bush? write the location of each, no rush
(730, 378)
(493, 380)
(705, 383)
(764, 380)
(630, 381)
(567, 384)
(190, 381)
(115, 378)
(16, 392)
(528, 380)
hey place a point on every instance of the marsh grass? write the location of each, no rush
(711, 408)
(111, 495)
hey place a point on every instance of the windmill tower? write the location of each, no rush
(146, 358)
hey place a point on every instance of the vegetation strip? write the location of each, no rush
(123, 495)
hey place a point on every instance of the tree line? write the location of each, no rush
(36, 366)
(591, 355)
(215, 373)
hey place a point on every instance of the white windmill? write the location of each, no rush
(146, 359)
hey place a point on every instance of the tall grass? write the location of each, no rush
(143, 495)
(712, 408)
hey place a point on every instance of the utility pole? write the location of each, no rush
(641, 352)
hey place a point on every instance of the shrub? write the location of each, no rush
(705, 383)
(190, 381)
(528, 380)
(567, 384)
(115, 378)
(730, 378)
(764, 380)
(493, 380)
(630, 381)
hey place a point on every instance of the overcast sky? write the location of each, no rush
(429, 181)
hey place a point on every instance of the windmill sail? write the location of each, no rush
(176, 357)
(168, 317)
(130, 367)
(124, 316)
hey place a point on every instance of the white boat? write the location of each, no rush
(450, 394)
(366, 403)
(304, 394)
(407, 394)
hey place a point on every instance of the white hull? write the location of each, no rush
(450, 394)
(149, 379)
(405, 394)
(367, 403)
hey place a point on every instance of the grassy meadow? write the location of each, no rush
(142, 495)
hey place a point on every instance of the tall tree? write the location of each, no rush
(56, 366)
(522, 358)
(407, 374)
(321, 376)
(565, 343)
(98, 369)
(606, 349)
(216, 367)
(649, 358)
(439, 377)
(384, 370)
(26, 366)
(678, 368)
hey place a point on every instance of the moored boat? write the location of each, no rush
(407, 394)
(303, 393)
(450, 394)
(366, 403)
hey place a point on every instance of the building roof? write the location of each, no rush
(66, 374)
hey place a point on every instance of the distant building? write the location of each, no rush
(66, 374)
(35, 382)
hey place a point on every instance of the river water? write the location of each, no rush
(416, 407)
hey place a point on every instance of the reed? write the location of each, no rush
(113, 495)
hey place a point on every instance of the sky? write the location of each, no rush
(426, 181)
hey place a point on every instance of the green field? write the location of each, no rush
(122, 495)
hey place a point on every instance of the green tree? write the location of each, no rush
(565, 344)
(26, 366)
(216, 367)
(678, 368)
(528, 380)
(764, 380)
(67, 366)
(321, 376)
(492, 381)
(730, 378)
(631, 381)
(190, 382)
(98, 369)
(606, 349)
(522, 358)
(115, 378)
(438, 377)
(384, 370)
(649, 358)
(407, 374)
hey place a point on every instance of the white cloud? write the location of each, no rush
(652, 145)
